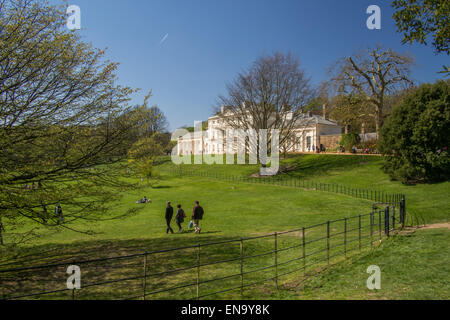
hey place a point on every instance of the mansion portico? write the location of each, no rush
(306, 135)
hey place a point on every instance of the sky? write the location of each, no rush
(186, 51)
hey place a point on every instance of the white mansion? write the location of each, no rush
(307, 135)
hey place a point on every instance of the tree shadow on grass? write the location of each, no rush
(99, 265)
(162, 187)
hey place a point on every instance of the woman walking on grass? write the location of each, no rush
(179, 218)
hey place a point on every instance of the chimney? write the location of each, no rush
(363, 128)
(324, 109)
(309, 114)
(222, 109)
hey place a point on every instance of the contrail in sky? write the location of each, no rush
(164, 38)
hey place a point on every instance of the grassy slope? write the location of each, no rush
(413, 266)
(236, 209)
(426, 203)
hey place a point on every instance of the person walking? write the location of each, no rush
(197, 215)
(179, 218)
(59, 214)
(169, 215)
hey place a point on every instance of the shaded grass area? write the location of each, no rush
(173, 274)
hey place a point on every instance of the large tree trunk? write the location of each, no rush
(378, 119)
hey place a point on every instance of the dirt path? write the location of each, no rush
(436, 226)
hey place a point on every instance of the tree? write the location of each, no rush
(269, 95)
(142, 156)
(146, 121)
(373, 74)
(420, 19)
(352, 110)
(416, 137)
(62, 131)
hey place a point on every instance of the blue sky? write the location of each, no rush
(207, 42)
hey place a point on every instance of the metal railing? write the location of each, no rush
(210, 269)
(376, 196)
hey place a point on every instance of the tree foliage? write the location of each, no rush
(420, 19)
(62, 128)
(349, 140)
(416, 137)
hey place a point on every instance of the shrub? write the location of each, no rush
(416, 137)
(349, 140)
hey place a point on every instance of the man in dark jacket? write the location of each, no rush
(197, 215)
(169, 215)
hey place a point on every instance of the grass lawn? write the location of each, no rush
(232, 210)
(426, 203)
(413, 266)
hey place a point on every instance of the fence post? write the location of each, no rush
(371, 230)
(379, 223)
(359, 233)
(242, 267)
(403, 211)
(328, 242)
(393, 217)
(145, 275)
(386, 221)
(198, 272)
(276, 259)
(304, 251)
(345, 238)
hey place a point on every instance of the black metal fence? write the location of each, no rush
(376, 196)
(210, 270)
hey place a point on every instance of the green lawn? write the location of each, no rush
(426, 203)
(233, 210)
(413, 266)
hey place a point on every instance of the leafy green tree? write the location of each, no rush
(142, 156)
(349, 140)
(352, 110)
(420, 19)
(416, 137)
(62, 131)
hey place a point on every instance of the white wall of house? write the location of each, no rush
(213, 141)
